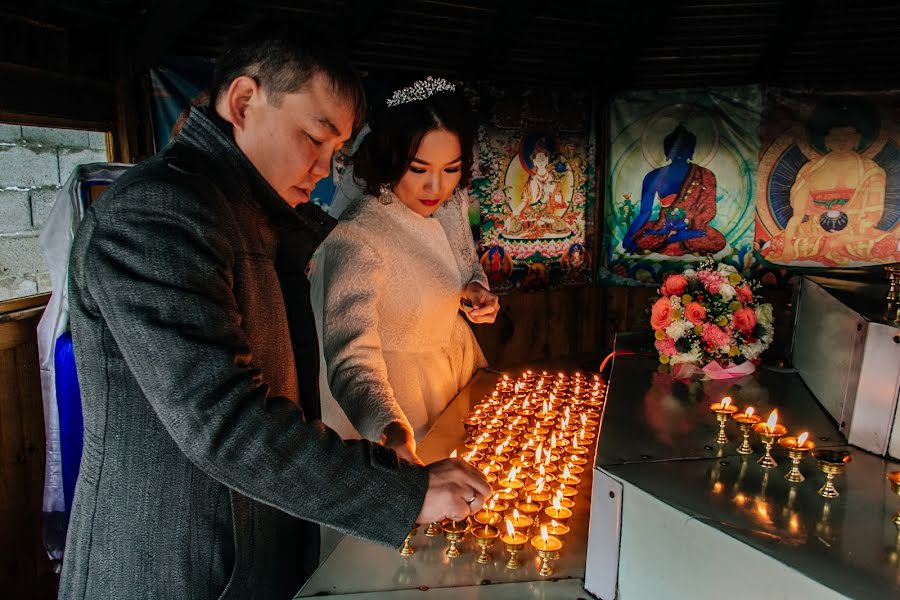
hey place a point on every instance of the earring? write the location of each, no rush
(385, 195)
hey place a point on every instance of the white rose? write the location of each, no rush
(686, 357)
(726, 270)
(727, 291)
(690, 274)
(678, 328)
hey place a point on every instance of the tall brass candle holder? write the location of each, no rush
(894, 478)
(797, 448)
(547, 547)
(831, 462)
(768, 433)
(745, 422)
(723, 410)
(407, 549)
(484, 536)
(454, 531)
(513, 541)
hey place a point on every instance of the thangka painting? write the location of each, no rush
(681, 174)
(534, 182)
(828, 190)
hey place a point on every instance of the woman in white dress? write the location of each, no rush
(389, 282)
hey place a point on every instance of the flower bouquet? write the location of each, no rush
(711, 317)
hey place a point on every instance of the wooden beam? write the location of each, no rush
(793, 21)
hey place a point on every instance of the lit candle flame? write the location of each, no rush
(553, 441)
(453, 454)
(566, 472)
(725, 402)
(584, 420)
(486, 471)
(516, 514)
(544, 535)
(545, 407)
(802, 438)
(556, 504)
(539, 486)
(510, 529)
(773, 421)
(547, 458)
(566, 412)
(528, 499)
(575, 441)
(749, 411)
(492, 504)
(554, 523)
(537, 453)
(500, 447)
(512, 474)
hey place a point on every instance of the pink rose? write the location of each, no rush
(674, 285)
(715, 335)
(745, 294)
(661, 314)
(694, 312)
(744, 320)
(666, 346)
(711, 280)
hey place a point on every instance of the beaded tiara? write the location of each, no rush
(421, 90)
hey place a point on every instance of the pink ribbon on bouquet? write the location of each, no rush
(715, 371)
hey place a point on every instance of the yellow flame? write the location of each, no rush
(547, 458)
(802, 438)
(510, 529)
(575, 441)
(539, 486)
(453, 454)
(528, 498)
(717, 487)
(773, 420)
(500, 446)
(544, 535)
(492, 504)
(725, 402)
(545, 407)
(566, 472)
(584, 420)
(512, 474)
(516, 514)
(556, 503)
(553, 441)
(537, 453)
(554, 523)
(749, 412)
(486, 471)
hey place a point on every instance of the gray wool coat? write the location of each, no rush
(200, 474)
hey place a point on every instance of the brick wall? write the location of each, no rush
(34, 163)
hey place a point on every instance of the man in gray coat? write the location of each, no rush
(203, 464)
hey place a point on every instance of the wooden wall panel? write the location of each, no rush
(25, 571)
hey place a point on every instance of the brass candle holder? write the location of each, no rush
(547, 547)
(519, 521)
(406, 549)
(506, 495)
(797, 448)
(768, 433)
(894, 478)
(557, 529)
(487, 517)
(558, 513)
(433, 529)
(484, 537)
(529, 508)
(832, 463)
(454, 531)
(745, 421)
(724, 410)
(513, 541)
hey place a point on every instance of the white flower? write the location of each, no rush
(678, 328)
(764, 314)
(726, 270)
(693, 356)
(675, 302)
(690, 274)
(752, 351)
(726, 290)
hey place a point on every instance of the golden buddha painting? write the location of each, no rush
(829, 181)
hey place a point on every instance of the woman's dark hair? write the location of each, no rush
(396, 132)
(282, 56)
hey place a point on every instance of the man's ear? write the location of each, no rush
(234, 103)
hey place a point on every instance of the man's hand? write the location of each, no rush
(484, 304)
(399, 437)
(456, 490)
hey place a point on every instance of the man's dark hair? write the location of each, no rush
(387, 151)
(282, 57)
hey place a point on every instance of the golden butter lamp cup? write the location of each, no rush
(557, 529)
(548, 549)
(724, 411)
(745, 423)
(567, 491)
(560, 515)
(536, 496)
(487, 517)
(577, 459)
(484, 536)
(492, 466)
(406, 549)
(574, 469)
(454, 531)
(797, 452)
(832, 463)
(894, 478)
(512, 484)
(768, 437)
(513, 541)
(506, 495)
(520, 522)
(497, 506)
(529, 509)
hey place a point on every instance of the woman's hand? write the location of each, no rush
(399, 437)
(484, 304)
